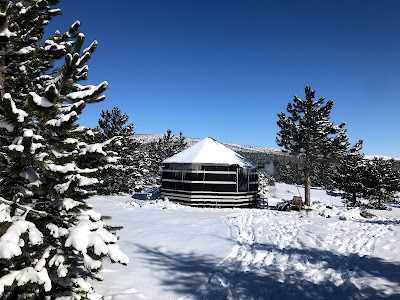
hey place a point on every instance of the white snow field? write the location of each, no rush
(179, 252)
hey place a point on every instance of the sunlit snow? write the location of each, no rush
(179, 252)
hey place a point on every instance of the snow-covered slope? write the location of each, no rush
(179, 252)
(381, 156)
(147, 138)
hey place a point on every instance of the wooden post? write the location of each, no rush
(237, 180)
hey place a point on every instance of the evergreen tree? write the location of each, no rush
(349, 177)
(51, 242)
(307, 133)
(265, 182)
(374, 180)
(127, 175)
(165, 147)
(382, 182)
(169, 145)
(113, 123)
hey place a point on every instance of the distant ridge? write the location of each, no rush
(380, 156)
(148, 138)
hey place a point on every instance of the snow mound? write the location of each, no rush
(158, 203)
(331, 211)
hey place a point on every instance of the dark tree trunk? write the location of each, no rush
(307, 188)
(4, 20)
(2, 75)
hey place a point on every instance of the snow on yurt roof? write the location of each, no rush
(209, 151)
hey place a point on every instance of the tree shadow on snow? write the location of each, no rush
(185, 271)
(380, 222)
(313, 282)
(204, 277)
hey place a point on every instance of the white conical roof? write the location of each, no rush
(209, 151)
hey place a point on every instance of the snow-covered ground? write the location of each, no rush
(179, 252)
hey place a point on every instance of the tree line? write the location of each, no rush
(139, 163)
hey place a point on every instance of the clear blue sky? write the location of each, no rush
(226, 68)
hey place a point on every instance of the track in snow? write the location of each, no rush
(280, 257)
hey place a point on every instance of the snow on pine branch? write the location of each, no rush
(89, 234)
(40, 101)
(88, 91)
(17, 144)
(69, 167)
(65, 204)
(4, 11)
(7, 33)
(19, 113)
(70, 141)
(51, 45)
(10, 245)
(4, 213)
(24, 276)
(90, 215)
(5, 205)
(86, 234)
(62, 119)
(95, 148)
(26, 50)
(66, 113)
(67, 108)
(91, 48)
(81, 181)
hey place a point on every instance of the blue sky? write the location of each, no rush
(226, 68)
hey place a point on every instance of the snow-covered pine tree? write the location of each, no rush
(22, 61)
(170, 145)
(349, 176)
(308, 133)
(51, 241)
(265, 182)
(156, 152)
(381, 181)
(114, 123)
(127, 175)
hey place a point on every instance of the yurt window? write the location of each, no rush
(243, 179)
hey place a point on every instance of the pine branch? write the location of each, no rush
(35, 212)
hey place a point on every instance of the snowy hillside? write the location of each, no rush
(179, 252)
(147, 138)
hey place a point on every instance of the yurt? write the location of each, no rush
(208, 174)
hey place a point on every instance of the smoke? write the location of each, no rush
(269, 168)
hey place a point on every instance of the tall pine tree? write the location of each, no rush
(51, 242)
(349, 177)
(307, 132)
(126, 176)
